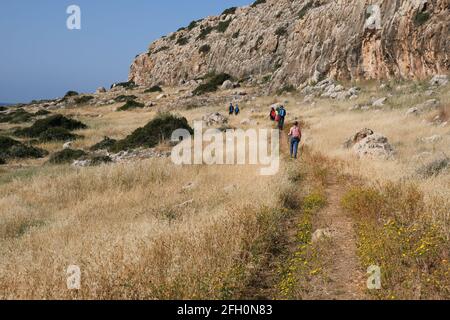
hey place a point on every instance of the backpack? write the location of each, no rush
(282, 113)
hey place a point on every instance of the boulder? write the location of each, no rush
(379, 102)
(215, 118)
(374, 146)
(360, 135)
(227, 85)
(321, 234)
(439, 80)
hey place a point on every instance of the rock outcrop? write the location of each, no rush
(291, 42)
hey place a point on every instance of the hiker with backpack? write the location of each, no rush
(273, 114)
(295, 135)
(237, 110)
(231, 109)
(282, 116)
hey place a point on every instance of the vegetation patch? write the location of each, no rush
(42, 112)
(182, 41)
(231, 10)
(105, 144)
(83, 99)
(70, 94)
(302, 13)
(397, 232)
(66, 156)
(286, 88)
(204, 49)
(281, 31)
(153, 89)
(43, 125)
(223, 26)
(158, 130)
(124, 98)
(131, 104)
(57, 134)
(126, 85)
(204, 32)
(17, 116)
(10, 149)
(211, 84)
(421, 18)
(258, 2)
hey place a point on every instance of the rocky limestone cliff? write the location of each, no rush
(290, 42)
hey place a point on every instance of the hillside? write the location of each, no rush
(288, 42)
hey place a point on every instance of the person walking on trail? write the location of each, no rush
(273, 114)
(296, 136)
(282, 116)
(231, 109)
(236, 109)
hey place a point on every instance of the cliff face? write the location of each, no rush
(288, 42)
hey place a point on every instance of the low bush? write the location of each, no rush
(43, 125)
(231, 10)
(126, 85)
(158, 130)
(131, 104)
(204, 32)
(211, 84)
(223, 26)
(154, 89)
(42, 112)
(105, 144)
(10, 148)
(16, 116)
(83, 99)
(204, 48)
(421, 18)
(70, 94)
(258, 2)
(182, 41)
(398, 232)
(66, 156)
(124, 98)
(281, 31)
(57, 134)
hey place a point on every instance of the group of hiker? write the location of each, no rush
(234, 109)
(278, 115)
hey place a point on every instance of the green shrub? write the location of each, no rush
(105, 144)
(66, 156)
(54, 121)
(286, 88)
(57, 134)
(157, 130)
(421, 18)
(231, 10)
(236, 34)
(10, 148)
(204, 48)
(258, 2)
(182, 41)
(192, 25)
(42, 112)
(124, 98)
(204, 32)
(126, 85)
(70, 94)
(211, 83)
(97, 160)
(2, 161)
(131, 104)
(154, 89)
(302, 13)
(83, 99)
(281, 31)
(17, 116)
(163, 48)
(223, 26)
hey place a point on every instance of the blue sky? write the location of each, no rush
(40, 58)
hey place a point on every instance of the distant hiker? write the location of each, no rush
(273, 114)
(231, 109)
(296, 136)
(277, 114)
(282, 116)
(237, 110)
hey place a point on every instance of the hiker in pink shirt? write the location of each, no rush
(296, 136)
